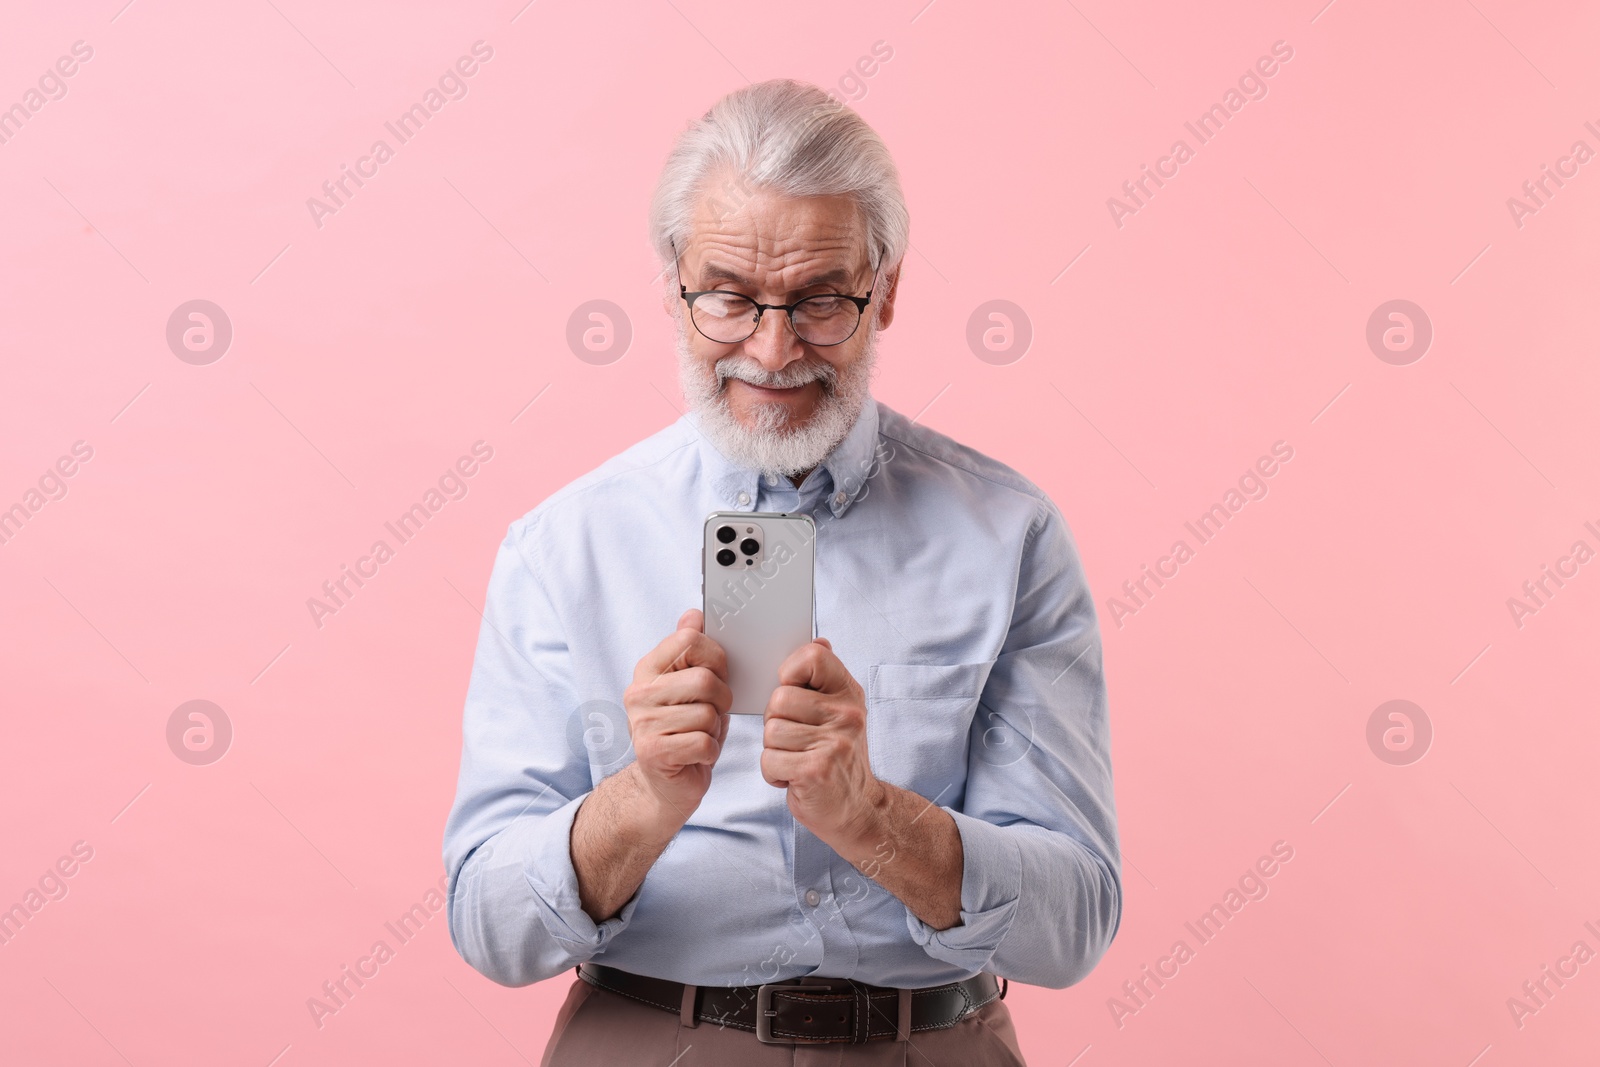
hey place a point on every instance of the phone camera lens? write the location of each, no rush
(726, 534)
(726, 557)
(749, 546)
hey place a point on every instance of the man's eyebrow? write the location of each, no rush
(712, 273)
(836, 276)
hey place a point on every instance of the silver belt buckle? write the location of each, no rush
(765, 1011)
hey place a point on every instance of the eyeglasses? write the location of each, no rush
(728, 318)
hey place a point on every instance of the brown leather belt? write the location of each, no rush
(807, 1009)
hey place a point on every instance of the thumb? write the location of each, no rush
(824, 642)
(692, 619)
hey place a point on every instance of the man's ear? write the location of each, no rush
(669, 293)
(892, 289)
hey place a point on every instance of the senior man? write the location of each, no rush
(925, 809)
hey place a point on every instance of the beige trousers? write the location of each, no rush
(598, 1027)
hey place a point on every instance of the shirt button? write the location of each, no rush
(744, 498)
(839, 498)
(813, 897)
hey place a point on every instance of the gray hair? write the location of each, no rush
(794, 139)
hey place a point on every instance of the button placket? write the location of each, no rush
(813, 875)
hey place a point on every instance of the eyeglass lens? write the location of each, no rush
(819, 320)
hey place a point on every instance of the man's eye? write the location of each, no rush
(825, 310)
(723, 303)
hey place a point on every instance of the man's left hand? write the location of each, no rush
(815, 744)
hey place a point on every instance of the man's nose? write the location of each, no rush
(774, 344)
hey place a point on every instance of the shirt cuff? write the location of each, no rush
(547, 845)
(991, 884)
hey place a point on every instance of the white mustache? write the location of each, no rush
(748, 370)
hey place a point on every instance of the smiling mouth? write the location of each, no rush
(771, 390)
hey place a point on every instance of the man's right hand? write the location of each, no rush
(677, 710)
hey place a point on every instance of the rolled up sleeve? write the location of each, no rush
(1041, 885)
(513, 905)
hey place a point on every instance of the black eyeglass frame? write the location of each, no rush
(860, 302)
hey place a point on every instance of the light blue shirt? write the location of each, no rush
(949, 586)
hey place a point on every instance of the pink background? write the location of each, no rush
(1227, 314)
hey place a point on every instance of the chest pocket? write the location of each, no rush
(919, 723)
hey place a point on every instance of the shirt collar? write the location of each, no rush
(848, 466)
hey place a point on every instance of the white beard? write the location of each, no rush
(771, 446)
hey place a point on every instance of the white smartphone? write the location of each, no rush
(758, 571)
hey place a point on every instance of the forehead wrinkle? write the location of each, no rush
(836, 276)
(801, 265)
(780, 243)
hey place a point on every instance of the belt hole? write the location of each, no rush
(808, 1018)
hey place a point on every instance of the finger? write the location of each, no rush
(796, 704)
(685, 647)
(659, 659)
(703, 651)
(787, 735)
(675, 719)
(814, 666)
(694, 685)
(779, 768)
(687, 750)
(692, 619)
(824, 642)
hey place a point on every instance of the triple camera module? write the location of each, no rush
(749, 546)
